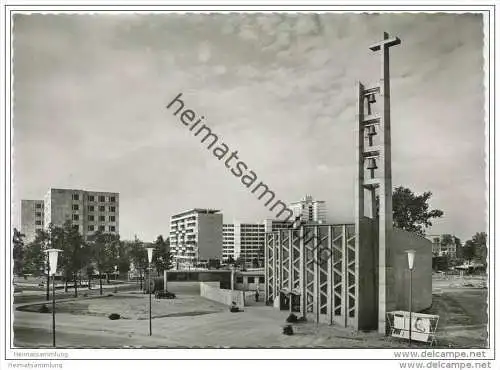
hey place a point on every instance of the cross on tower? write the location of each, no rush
(376, 157)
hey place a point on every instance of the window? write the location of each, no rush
(76, 197)
(90, 208)
(112, 208)
(102, 218)
(102, 198)
(261, 279)
(38, 205)
(76, 217)
(112, 228)
(91, 228)
(101, 208)
(75, 207)
(90, 198)
(101, 228)
(112, 218)
(112, 199)
(91, 218)
(38, 222)
(239, 279)
(251, 280)
(38, 214)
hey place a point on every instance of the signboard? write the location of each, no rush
(423, 326)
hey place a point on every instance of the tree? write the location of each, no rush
(104, 252)
(89, 271)
(18, 251)
(230, 260)
(480, 240)
(475, 249)
(458, 248)
(34, 256)
(446, 239)
(74, 253)
(124, 257)
(239, 262)
(162, 258)
(139, 257)
(411, 212)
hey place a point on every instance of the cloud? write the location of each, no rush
(90, 94)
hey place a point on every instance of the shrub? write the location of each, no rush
(114, 316)
(44, 309)
(288, 330)
(292, 318)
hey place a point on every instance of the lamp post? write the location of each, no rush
(150, 258)
(232, 277)
(53, 254)
(411, 262)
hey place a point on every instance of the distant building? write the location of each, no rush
(196, 235)
(89, 210)
(231, 246)
(273, 225)
(245, 241)
(32, 218)
(250, 280)
(309, 210)
(440, 248)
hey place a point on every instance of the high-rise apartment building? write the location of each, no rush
(32, 218)
(196, 235)
(89, 210)
(245, 241)
(230, 241)
(309, 210)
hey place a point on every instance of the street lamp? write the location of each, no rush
(232, 277)
(150, 258)
(411, 262)
(53, 254)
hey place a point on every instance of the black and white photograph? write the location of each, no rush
(246, 178)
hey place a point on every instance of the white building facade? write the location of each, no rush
(309, 209)
(196, 235)
(244, 241)
(247, 240)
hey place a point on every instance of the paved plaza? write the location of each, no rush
(193, 321)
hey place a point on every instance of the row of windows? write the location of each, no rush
(38, 214)
(91, 198)
(101, 228)
(76, 207)
(38, 205)
(251, 279)
(92, 218)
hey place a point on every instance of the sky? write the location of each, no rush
(90, 96)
